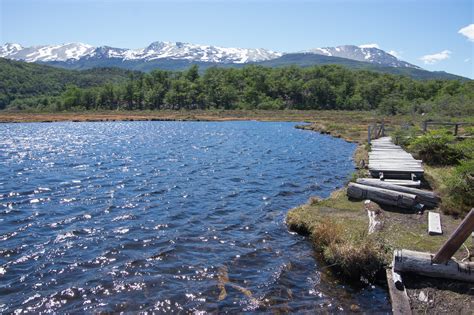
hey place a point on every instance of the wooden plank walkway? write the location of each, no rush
(392, 161)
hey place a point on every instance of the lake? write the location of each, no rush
(166, 216)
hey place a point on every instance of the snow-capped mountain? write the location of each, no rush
(367, 53)
(177, 55)
(71, 51)
(156, 50)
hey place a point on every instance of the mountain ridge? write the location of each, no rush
(179, 56)
(71, 52)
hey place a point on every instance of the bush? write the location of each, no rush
(404, 136)
(466, 146)
(435, 148)
(460, 189)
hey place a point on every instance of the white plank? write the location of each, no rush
(434, 223)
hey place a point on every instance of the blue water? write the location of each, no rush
(165, 216)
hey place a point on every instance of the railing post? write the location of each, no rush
(456, 239)
(425, 126)
(368, 134)
(382, 126)
(456, 127)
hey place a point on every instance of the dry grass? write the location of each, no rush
(205, 115)
(340, 234)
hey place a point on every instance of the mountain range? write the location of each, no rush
(179, 56)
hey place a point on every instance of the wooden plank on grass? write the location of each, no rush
(434, 224)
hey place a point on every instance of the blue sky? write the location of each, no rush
(411, 29)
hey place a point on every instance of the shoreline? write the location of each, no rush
(338, 230)
(165, 115)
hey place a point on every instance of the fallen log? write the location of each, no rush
(427, 198)
(382, 196)
(422, 263)
(398, 182)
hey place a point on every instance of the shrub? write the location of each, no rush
(404, 136)
(460, 185)
(466, 146)
(435, 148)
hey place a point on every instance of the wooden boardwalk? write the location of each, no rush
(388, 160)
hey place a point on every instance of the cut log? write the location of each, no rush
(434, 223)
(382, 196)
(427, 198)
(422, 263)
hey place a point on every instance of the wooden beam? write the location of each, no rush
(456, 239)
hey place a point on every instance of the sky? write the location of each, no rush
(437, 35)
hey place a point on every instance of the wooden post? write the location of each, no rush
(368, 134)
(383, 128)
(425, 126)
(456, 127)
(456, 239)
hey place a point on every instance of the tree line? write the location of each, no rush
(328, 87)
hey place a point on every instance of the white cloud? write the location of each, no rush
(370, 46)
(467, 59)
(397, 54)
(468, 31)
(434, 58)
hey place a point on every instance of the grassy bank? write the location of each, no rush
(338, 227)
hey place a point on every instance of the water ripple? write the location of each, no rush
(165, 216)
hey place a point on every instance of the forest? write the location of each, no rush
(328, 87)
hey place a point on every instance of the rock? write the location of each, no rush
(355, 308)
(422, 297)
